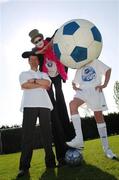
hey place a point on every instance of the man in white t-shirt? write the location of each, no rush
(89, 89)
(35, 103)
(62, 128)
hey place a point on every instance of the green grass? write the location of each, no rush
(95, 166)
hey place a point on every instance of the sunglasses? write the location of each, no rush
(36, 42)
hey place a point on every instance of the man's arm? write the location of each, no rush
(106, 80)
(43, 83)
(36, 83)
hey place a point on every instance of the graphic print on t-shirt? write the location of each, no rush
(49, 64)
(88, 74)
(52, 68)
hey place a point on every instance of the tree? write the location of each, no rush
(116, 93)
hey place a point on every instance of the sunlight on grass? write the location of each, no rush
(94, 167)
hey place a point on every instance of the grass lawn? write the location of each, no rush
(94, 167)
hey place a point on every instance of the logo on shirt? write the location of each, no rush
(52, 68)
(88, 74)
(49, 64)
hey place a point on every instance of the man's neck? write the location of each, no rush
(34, 69)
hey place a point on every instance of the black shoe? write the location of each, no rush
(22, 173)
(61, 162)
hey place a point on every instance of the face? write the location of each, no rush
(39, 42)
(33, 61)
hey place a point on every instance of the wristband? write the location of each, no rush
(34, 80)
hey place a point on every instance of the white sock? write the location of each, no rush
(102, 130)
(77, 126)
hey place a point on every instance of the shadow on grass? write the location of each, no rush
(82, 172)
(26, 177)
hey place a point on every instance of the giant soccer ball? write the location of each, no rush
(73, 157)
(77, 42)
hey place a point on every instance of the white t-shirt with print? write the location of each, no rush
(91, 74)
(37, 97)
(52, 68)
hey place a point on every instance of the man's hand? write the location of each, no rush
(75, 88)
(31, 80)
(100, 87)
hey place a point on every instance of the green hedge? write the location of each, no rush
(89, 127)
(11, 137)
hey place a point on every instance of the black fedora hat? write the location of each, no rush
(27, 54)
